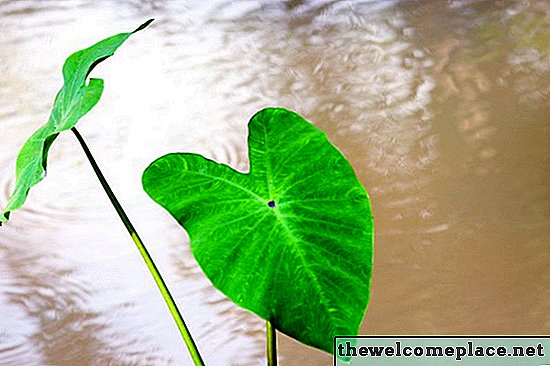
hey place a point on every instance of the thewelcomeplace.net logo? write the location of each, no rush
(447, 350)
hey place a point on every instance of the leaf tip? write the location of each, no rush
(144, 25)
(4, 217)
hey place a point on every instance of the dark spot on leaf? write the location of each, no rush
(271, 204)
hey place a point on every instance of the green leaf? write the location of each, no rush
(291, 240)
(73, 101)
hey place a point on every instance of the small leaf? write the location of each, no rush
(73, 101)
(291, 240)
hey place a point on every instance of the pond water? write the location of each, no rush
(441, 107)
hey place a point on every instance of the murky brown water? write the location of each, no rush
(442, 107)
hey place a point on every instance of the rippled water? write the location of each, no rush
(442, 108)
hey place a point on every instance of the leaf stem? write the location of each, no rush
(271, 334)
(146, 257)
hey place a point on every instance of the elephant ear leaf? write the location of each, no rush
(77, 96)
(291, 240)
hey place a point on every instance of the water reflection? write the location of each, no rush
(49, 321)
(441, 108)
(461, 229)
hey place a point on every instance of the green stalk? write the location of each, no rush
(271, 344)
(146, 257)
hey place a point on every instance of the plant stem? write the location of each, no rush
(271, 334)
(146, 257)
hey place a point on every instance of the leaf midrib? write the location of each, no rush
(298, 250)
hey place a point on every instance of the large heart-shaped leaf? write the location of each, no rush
(73, 101)
(291, 240)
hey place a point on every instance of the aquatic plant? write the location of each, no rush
(291, 240)
(76, 98)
